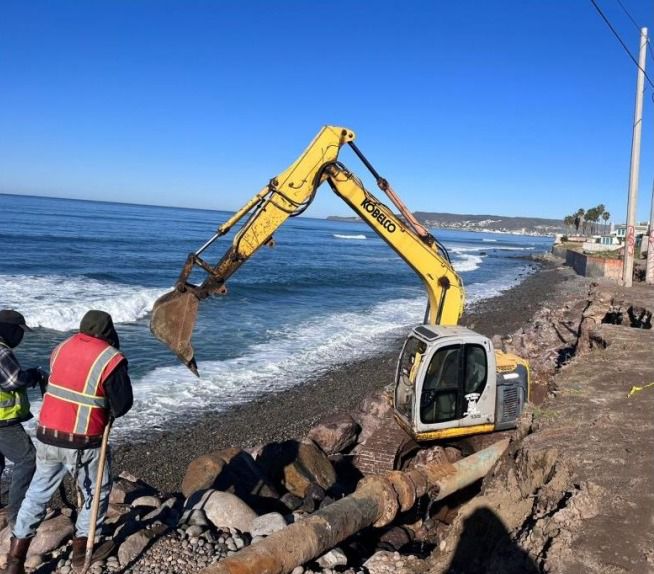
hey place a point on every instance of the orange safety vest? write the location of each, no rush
(75, 401)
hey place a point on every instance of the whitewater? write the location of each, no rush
(328, 294)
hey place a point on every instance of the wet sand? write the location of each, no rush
(161, 458)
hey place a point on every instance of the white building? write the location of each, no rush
(620, 231)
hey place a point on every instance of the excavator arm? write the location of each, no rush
(288, 195)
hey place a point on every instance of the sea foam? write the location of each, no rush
(344, 236)
(58, 302)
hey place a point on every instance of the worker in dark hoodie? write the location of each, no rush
(88, 386)
(15, 445)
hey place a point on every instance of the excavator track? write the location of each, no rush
(390, 446)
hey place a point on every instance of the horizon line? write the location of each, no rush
(325, 218)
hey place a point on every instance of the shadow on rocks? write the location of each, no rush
(486, 547)
(244, 477)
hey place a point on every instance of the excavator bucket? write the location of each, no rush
(173, 319)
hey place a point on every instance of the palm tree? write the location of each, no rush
(569, 221)
(591, 217)
(606, 216)
(579, 219)
(600, 210)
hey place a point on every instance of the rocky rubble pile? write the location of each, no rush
(229, 500)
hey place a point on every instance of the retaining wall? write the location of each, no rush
(590, 266)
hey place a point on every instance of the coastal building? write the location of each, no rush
(609, 240)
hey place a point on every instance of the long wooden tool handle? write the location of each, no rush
(96, 499)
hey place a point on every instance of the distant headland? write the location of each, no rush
(488, 223)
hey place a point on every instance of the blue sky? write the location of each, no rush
(500, 107)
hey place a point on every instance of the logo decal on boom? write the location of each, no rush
(373, 209)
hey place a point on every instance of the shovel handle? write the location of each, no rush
(90, 542)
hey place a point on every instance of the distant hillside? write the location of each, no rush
(468, 222)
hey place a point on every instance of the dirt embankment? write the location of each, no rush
(575, 493)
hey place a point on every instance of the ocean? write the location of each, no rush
(329, 292)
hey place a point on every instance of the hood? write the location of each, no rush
(10, 334)
(99, 324)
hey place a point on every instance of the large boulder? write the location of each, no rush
(136, 543)
(231, 470)
(124, 491)
(50, 534)
(223, 509)
(202, 473)
(335, 557)
(310, 467)
(297, 465)
(267, 524)
(371, 414)
(336, 434)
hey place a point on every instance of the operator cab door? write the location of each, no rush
(456, 386)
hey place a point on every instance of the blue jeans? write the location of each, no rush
(52, 464)
(16, 446)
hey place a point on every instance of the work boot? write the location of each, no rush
(17, 554)
(100, 553)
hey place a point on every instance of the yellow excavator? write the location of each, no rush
(450, 381)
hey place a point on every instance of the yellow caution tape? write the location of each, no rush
(635, 389)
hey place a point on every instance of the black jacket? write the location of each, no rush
(118, 390)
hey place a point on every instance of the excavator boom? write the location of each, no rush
(288, 195)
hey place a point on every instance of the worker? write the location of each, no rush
(89, 385)
(15, 445)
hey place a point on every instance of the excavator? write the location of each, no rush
(450, 381)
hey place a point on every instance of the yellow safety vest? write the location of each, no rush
(14, 405)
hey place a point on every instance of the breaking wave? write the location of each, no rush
(464, 260)
(343, 236)
(58, 302)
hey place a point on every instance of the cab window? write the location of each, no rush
(438, 401)
(475, 369)
(454, 372)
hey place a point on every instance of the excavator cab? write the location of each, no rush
(447, 384)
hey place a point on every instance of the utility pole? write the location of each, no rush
(630, 238)
(649, 273)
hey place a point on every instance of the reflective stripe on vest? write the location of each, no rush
(77, 398)
(91, 386)
(10, 402)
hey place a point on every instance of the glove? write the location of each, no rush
(40, 378)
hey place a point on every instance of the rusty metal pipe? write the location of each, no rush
(376, 502)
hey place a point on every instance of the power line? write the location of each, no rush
(637, 26)
(624, 9)
(624, 46)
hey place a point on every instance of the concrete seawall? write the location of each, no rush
(589, 265)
